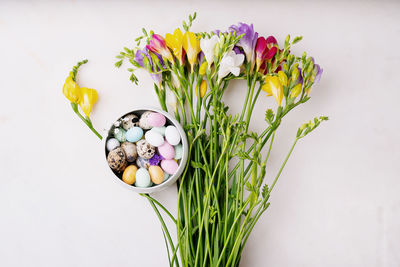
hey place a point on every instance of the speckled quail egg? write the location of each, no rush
(144, 122)
(130, 151)
(117, 159)
(130, 121)
(144, 149)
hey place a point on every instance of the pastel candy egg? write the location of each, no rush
(143, 163)
(130, 121)
(154, 138)
(134, 134)
(143, 122)
(130, 151)
(156, 174)
(166, 176)
(117, 159)
(129, 175)
(169, 166)
(172, 135)
(112, 143)
(166, 150)
(160, 130)
(156, 119)
(142, 178)
(178, 151)
(144, 149)
(120, 134)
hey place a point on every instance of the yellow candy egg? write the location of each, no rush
(156, 174)
(129, 175)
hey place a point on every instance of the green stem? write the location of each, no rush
(283, 165)
(164, 227)
(160, 205)
(86, 120)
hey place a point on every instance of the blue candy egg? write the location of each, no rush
(134, 134)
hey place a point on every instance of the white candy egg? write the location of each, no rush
(154, 138)
(112, 143)
(172, 135)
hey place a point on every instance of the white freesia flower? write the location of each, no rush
(171, 99)
(175, 80)
(231, 62)
(208, 48)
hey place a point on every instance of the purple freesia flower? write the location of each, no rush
(200, 57)
(248, 41)
(237, 50)
(317, 71)
(300, 79)
(139, 56)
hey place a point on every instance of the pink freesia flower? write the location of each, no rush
(157, 45)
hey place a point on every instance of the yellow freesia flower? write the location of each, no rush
(71, 90)
(273, 87)
(282, 78)
(88, 99)
(296, 90)
(295, 73)
(203, 89)
(203, 68)
(174, 42)
(192, 47)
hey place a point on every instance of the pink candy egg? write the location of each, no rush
(166, 150)
(156, 119)
(169, 166)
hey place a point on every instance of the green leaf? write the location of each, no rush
(297, 39)
(249, 187)
(196, 165)
(269, 116)
(118, 63)
(307, 128)
(287, 41)
(265, 190)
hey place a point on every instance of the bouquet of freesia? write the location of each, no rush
(222, 192)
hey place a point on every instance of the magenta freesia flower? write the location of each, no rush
(265, 49)
(261, 49)
(271, 41)
(248, 41)
(157, 45)
(271, 47)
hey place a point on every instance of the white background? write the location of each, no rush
(337, 203)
